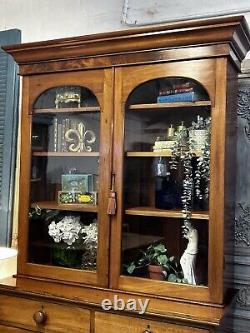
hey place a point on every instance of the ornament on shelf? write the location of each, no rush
(166, 143)
(80, 139)
(188, 258)
(66, 97)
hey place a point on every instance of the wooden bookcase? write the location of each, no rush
(91, 111)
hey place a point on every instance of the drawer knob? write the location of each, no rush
(40, 317)
(147, 330)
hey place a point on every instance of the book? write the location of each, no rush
(63, 141)
(59, 137)
(55, 134)
(171, 91)
(182, 97)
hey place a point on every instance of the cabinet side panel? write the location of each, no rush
(24, 177)
(217, 185)
(230, 168)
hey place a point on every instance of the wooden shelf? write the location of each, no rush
(167, 153)
(71, 207)
(68, 110)
(65, 154)
(168, 105)
(155, 212)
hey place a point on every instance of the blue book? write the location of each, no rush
(182, 97)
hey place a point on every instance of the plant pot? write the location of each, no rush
(156, 272)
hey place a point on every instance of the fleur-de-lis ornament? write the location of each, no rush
(80, 139)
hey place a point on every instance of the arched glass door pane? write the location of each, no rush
(166, 181)
(64, 178)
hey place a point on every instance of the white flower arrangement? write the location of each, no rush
(90, 235)
(70, 229)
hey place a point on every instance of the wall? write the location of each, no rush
(49, 19)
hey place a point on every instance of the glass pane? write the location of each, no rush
(166, 181)
(64, 179)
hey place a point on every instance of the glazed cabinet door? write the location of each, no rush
(167, 235)
(65, 176)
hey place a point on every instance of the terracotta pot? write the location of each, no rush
(155, 272)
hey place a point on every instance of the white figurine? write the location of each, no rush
(188, 258)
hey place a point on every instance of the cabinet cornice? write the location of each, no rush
(227, 30)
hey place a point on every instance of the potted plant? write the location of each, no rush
(160, 265)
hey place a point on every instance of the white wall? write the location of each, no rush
(49, 19)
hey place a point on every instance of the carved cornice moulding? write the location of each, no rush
(220, 30)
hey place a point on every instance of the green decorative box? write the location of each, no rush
(75, 182)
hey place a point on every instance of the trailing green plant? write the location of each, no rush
(194, 182)
(36, 213)
(157, 254)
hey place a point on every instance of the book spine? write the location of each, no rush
(182, 85)
(174, 91)
(63, 135)
(184, 97)
(67, 127)
(59, 137)
(55, 124)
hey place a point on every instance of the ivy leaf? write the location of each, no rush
(131, 268)
(172, 278)
(160, 248)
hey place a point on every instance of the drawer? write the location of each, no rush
(7, 329)
(111, 323)
(59, 318)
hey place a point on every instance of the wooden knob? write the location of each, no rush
(40, 317)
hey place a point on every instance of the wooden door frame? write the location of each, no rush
(212, 74)
(101, 83)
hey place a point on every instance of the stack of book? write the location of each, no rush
(60, 126)
(180, 92)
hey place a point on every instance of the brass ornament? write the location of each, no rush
(80, 139)
(67, 97)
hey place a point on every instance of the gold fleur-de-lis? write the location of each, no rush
(80, 138)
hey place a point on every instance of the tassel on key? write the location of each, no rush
(112, 203)
(112, 198)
